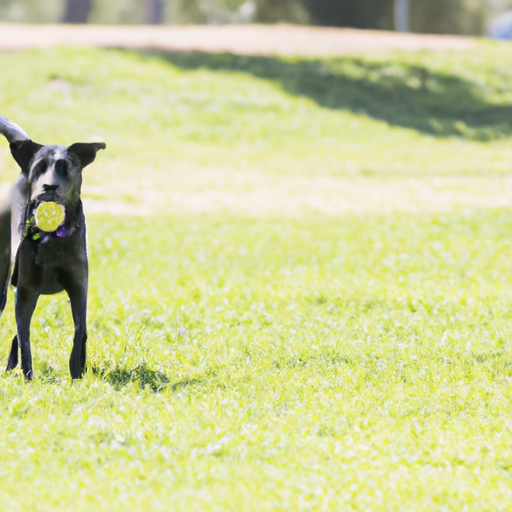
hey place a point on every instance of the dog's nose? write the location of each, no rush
(50, 188)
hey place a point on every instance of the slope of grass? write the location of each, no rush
(284, 359)
(224, 132)
(301, 116)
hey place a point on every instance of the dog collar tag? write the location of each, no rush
(49, 216)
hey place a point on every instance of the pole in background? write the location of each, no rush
(155, 12)
(402, 14)
(77, 11)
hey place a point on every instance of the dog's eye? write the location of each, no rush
(40, 168)
(62, 167)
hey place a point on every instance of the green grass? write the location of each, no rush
(253, 343)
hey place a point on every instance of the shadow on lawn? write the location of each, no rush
(397, 92)
(143, 375)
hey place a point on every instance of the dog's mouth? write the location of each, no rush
(47, 197)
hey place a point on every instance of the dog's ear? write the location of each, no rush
(86, 152)
(23, 151)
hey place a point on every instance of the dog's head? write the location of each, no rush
(54, 172)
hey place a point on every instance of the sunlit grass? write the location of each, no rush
(245, 351)
(358, 362)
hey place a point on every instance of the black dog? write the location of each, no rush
(36, 261)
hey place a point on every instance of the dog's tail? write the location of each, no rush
(11, 131)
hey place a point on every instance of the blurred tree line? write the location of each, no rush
(432, 16)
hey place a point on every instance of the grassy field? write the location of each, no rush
(300, 288)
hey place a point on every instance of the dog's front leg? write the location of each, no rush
(78, 299)
(26, 301)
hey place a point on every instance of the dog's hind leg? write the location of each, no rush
(13, 356)
(5, 254)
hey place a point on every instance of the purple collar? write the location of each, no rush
(36, 234)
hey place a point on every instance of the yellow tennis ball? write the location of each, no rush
(49, 216)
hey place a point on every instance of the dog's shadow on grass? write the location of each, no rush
(119, 377)
(396, 91)
(143, 376)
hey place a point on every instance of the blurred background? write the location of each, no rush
(471, 17)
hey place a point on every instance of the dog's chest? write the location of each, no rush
(51, 255)
(50, 260)
(44, 266)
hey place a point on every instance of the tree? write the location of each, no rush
(431, 16)
(77, 11)
(351, 13)
(448, 16)
(273, 11)
(188, 11)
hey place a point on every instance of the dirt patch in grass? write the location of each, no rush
(256, 193)
(239, 39)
